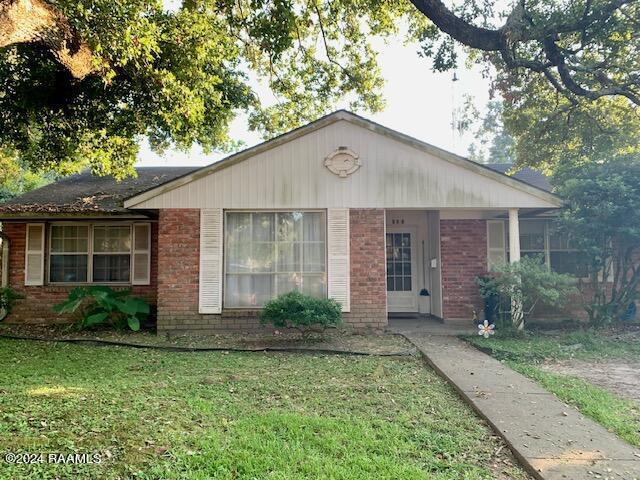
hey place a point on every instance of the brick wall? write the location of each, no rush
(178, 280)
(368, 269)
(463, 250)
(179, 251)
(37, 305)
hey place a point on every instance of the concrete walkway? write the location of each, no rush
(551, 439)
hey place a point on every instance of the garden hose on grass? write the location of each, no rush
(176, 348)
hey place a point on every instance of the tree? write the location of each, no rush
(82, 80)
(16, 178)
(550, 130)
(493, 144)
(603, 221)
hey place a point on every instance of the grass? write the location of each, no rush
(526, 352)
(157, 414)
(581, 345)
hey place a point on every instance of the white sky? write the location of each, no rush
(419, 103)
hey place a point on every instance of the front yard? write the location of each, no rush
(596, 371)
(159, 414)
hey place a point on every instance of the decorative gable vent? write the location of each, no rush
(342, 162)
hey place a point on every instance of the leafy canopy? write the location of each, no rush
(98, 75)
(603, 220)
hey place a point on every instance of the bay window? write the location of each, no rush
(99, 253)
(270, 253)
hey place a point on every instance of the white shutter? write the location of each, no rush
(34, 255)
(210, 300)
(496, 243)
(141, 274)
(339, 274)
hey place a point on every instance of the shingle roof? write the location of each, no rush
(86, 193)
(527, 175)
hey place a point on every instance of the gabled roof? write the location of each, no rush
(484, 170)
(85, 193)
(526, 175)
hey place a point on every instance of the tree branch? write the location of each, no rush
(35, 21)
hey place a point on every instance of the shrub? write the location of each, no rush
(533, 283)
(8, 296)
(99, 305)
(302, 312)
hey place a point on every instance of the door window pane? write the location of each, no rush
(399, 262)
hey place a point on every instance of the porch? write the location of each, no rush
(433, 257)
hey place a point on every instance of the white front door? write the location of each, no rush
(402, 295)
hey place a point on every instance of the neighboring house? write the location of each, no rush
(342, 207)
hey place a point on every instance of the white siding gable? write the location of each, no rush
(394, 174)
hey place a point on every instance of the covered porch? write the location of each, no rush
(433, 257)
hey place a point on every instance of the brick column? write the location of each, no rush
(463, 250)
(368, 269)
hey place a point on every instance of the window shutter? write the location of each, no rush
(339, 278)
(496, 244)
(210, 300)
(141, 254)
(34, 255)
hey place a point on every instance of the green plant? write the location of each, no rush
(8, 296)
(100, 305)
(302, 312)
(603, 221)
(533, 284)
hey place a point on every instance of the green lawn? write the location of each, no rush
(156, 414)
(525, 354)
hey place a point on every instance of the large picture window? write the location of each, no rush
(98, 253)
(270, 253)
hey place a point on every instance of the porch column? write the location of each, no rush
(517, 316)
(514, 235)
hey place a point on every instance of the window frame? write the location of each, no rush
(90, 250)
(547, 241)
(275, 211)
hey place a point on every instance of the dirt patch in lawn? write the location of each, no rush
(339, 340)
(618, 376)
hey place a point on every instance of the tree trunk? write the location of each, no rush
(31, 21)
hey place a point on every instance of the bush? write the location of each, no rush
(536, 285)
(302, 312)
(100, 305)
(8, 296)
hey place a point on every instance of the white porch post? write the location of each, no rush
(514, 235)
(514, 256)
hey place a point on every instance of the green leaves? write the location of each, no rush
(303, 312)
(101, 304)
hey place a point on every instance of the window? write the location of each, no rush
(270, 253)
(538, 238)
(399, 262)
(533, 239)
(563, 258)
(99, 253)
(69, 253)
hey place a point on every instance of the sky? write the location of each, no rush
(419, 103)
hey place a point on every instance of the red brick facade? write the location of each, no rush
(368, 268)
(175, 274)
(179, 252)
(37, 305)
(463, 250)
